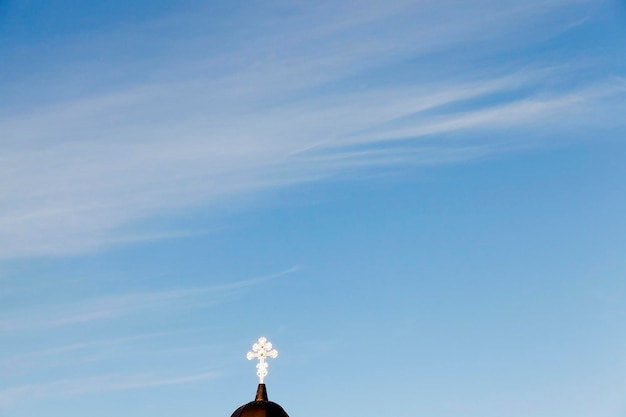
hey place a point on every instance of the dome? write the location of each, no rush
(260, 407)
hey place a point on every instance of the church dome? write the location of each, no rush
(260, 407)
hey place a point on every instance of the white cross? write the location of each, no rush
(262, 350)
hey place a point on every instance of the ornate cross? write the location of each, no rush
(262, 350)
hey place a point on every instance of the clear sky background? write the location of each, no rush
(420, 203)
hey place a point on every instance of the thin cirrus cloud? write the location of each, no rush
(279, 111)
(80, 386)
(40, 356)
(112, 308)
(125, 305)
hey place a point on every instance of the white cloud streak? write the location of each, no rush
(80, 386)
(78, 174)
(33, 356)
(119, 306)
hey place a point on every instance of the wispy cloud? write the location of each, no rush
(81, 386)
(118, 306)
(283, 109)
(34, 356)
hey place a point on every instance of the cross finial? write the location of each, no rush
(262, 350)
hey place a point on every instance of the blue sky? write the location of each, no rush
(421, 204)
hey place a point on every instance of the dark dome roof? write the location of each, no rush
(260, 407)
